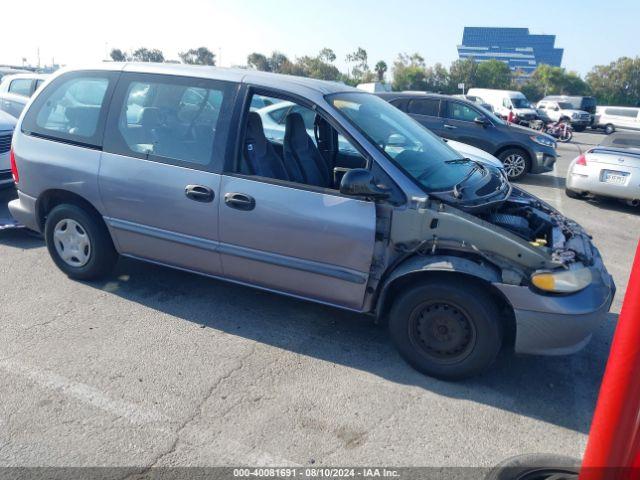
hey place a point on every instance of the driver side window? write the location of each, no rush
(460, 111)
(290, 142)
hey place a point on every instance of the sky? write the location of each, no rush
(74, 32)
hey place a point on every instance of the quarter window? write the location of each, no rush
(71, 108)
(21, 86)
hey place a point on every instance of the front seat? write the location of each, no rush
(260, 155)
(302, 159)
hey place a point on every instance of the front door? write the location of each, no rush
(157, 177)
(284, 225)
(307, 243)
(460, 125)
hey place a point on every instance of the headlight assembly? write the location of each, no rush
(562, 281)
(543, 140)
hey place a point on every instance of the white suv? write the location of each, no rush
(554, 111)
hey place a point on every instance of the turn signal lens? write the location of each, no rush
(581, 160)
(564, 281)
(14, 167)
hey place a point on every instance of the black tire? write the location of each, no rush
(102, 255)
(573, 194)
(609, 129)
(447, 328)
(535, 467)
(508, 157)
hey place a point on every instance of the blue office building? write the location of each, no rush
(514, 46)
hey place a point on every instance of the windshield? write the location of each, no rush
(421, 154)
(565, 105)
(520, 103)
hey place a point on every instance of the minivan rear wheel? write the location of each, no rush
(516, 163)
(446, 328)
(79, 243)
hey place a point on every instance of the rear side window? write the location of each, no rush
(401, 103)
(620, 112)
(21, 86)
(72, 108)
(169, 119)
(425, 106)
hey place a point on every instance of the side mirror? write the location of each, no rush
(510, 107)
(480, 121)
(359, 182)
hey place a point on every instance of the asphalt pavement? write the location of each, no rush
(155, 367)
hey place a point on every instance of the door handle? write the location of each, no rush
(199, 193)
(450, 127)
(239, 201)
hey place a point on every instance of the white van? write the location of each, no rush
(504, 101)
(611, 118)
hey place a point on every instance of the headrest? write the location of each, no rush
(254, 137)
(150, 117)
(295, 134)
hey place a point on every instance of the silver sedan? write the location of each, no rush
(612, 169)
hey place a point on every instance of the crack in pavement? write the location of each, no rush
(197, 413)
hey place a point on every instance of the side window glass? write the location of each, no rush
(459, 111)
(425, 106)
(73, 108)
(21, 86)
(282, 143)
(175, 121)
(506, 103)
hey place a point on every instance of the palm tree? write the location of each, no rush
(381, 69)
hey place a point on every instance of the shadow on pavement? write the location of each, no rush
(558, 390)
(543, 181)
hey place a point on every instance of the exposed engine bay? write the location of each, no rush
(542, 226)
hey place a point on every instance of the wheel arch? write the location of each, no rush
(418, 268)
(49, 199)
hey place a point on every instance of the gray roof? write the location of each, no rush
(265, 79)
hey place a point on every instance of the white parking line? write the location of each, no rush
(85, 393)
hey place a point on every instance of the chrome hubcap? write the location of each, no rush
(72, 242)
(514, 165)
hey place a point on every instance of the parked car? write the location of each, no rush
(16, 90)
(578, 102)
(612, 169)
(442, 247)
(7, 124)
(611, 119)
(559, 111)
(521, 150)
(274, 120)
(505, 101)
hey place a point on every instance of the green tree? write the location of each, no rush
(118, 55)
(327, 55)
(437, 78)
(198, 56)
(409, 72)
(360, 70)
(258, 61)
(617, 83)
(493, 74)
(148, 55)
(381, 68)
(463, 71)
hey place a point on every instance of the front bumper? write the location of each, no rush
(560, 324)
(23, 209)
(543, 160)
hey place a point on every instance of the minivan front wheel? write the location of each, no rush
(516, 163)
(446, 328)
(78, 243)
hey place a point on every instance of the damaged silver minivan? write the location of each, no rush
(355, 206)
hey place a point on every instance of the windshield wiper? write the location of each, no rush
(457, 188)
